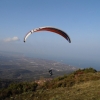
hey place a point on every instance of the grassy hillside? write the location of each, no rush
(81, 85)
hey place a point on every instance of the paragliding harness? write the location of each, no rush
(50, 71)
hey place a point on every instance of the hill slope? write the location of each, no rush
(81, 85)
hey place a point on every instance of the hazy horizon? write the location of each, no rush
(79, 63)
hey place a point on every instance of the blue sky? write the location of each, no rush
(79, 18)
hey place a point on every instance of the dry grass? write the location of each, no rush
(86, 87)
(84, 91)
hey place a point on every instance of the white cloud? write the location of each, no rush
(11, 39)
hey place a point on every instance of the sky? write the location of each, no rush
(79, 18)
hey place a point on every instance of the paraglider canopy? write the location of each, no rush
(51, 29)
